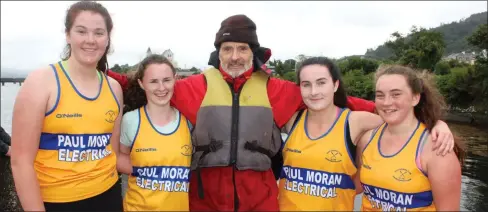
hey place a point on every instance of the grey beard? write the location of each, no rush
(235, 74)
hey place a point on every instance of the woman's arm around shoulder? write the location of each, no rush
(37, 95)
(444, 173)
(360, 122)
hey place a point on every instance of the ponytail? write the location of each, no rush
(102, 64)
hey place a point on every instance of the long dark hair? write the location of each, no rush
(134, 96)
(340, 97)
(71, 15)
(430, 108)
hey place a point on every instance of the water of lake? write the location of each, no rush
(474, 179)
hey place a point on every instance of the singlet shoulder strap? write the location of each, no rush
(299, 115)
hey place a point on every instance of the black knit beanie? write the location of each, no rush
(237, 28)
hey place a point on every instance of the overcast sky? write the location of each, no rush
(32, 33)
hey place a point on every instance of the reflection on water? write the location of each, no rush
(475, 175)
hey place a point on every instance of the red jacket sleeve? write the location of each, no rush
(285, 99)
(122, 79)
(358, 104)
(188, 96)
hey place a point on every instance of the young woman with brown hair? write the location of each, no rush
(155, 148)
(399, 170)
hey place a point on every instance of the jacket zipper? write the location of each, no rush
(235, 125)
(234, 139)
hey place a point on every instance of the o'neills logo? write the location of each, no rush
(68, 115)
(146, 150)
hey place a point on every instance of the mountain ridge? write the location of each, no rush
(454, 33)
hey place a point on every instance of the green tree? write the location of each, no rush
(355, 62)
(455, 87)
(289, 65)
(125, 68)
(282, 68)
(116, 68)
(398, 45)
(479, 38)
(442, 68)
(121, 68)
(290, 76)
(300, 58)
(195, 70)
(479, 85)
(420, 49)
(279, 67)
(343, 66)
(369, 66)
(358, 84)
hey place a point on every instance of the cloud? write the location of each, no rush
(32, 37)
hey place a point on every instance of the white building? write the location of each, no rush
(166, 53)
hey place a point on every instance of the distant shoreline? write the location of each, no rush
(474, 119)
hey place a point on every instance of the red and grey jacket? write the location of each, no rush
(235, 128)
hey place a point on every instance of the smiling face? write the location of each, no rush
(235, 58)
(394, 98)
(317, 87)
(88, 38)
(158, 83)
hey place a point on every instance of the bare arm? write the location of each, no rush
(360, 122)
(123, 161)
(361, 144)
(115, 138)
(444, 173)
(28, 115)
(124, 164)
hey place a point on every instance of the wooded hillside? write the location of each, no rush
(455, 35)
